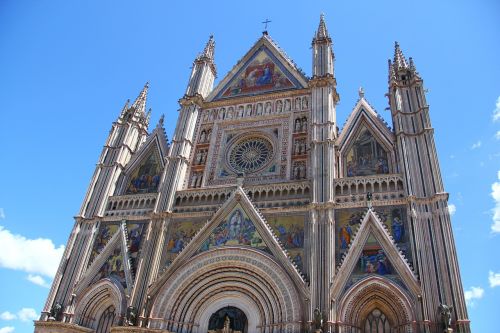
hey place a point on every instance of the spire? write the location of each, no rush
(322, 32)
(399, 58)
(392, 73)
(208, 52)
(140, 103)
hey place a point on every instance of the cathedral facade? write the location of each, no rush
(261, 216)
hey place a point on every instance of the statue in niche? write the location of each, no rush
(248, 111)
(297, 125)
(279, 106)
(304, 125)
(268, 108)
(259, 109)
(241, 111)
(287, 105)
(305, 103)
(445, 312)
(297, 103)
(302, 171)
(203, 136)
(199, 157)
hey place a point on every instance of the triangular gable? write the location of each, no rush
(264, 68)
(113, 261)
(238, 201)
(364, 113)
(143, 172)
(372, 227)
(380, 159)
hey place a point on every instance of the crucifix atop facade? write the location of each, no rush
(265, 26)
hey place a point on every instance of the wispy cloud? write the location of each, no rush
(476, 145)
(494, 279)
(452, 209)
(38, 256)
(27, 314)
(7, 316)
(474, 293)
(2, 214)
(495, 194)
(496, 112)
(38, 280)
(497, 135)
(7, 329)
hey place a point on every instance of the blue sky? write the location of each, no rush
(67, 68)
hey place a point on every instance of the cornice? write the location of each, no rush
(257, 98)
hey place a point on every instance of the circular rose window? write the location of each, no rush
(250, 155)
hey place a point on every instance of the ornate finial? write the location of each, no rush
(266, 22)
(160, 122)
(322, 31)
(361, 92)
(399, 58)
(209, 50)
(369, 197)
(140, 103)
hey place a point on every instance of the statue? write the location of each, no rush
(131, 318)
(318, 320)
(227, 325)
(369, 197)
(445, 311)
(55, 311)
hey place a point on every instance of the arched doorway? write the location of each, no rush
(229, 316)
(377, 322)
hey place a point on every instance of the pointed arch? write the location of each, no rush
(364, 298)
(364, 124)
(101, 305)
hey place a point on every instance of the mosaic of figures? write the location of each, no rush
(260, 75)
(290, 231)
(113, 268)
(237, 230)
(366, 156)
(256, 109)
(179, 234)
(146, 177)
(348, 221)
(135, 232)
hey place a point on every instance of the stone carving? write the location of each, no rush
(318, 320)
(445, 312)
(131, 318)
(55, 311)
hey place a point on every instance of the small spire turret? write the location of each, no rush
(322, 32)
(399, 58)
(140, 103)
(209, 50)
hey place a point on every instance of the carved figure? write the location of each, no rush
(445, 311)
(304, 124)
(297, 125)
(318, 319)
(131, 318)
(55, 311)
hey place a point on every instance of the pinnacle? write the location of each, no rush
(140, 103)
(322, 31)
(209, 50)
(399, 58)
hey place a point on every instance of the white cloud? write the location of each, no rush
(27, 314)
(38, 280)
(39, 256)
(494, 279)
(473, 294)
(7, 316)
(496, 112)
(2, 214)
(7, 329)
(452, 209)
(497, 135)
(495, 193)
(476, 145)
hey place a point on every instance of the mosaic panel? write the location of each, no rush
(366, 156)
(146, 177)
(290, 231)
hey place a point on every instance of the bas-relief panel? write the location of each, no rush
(373, 259)
(260, 75)
(366, 156)
(236, 230)
(290, 231)
(146, 177)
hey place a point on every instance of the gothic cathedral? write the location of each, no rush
(261, 216)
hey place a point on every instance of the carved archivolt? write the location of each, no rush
(376, 293)
(245, 278)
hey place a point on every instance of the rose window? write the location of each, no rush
(250, 155)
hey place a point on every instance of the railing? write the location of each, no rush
(383, 187)
(132, 204)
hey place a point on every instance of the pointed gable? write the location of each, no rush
(143, 172)
(265, 68)
(366, 144)
(372, 250)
